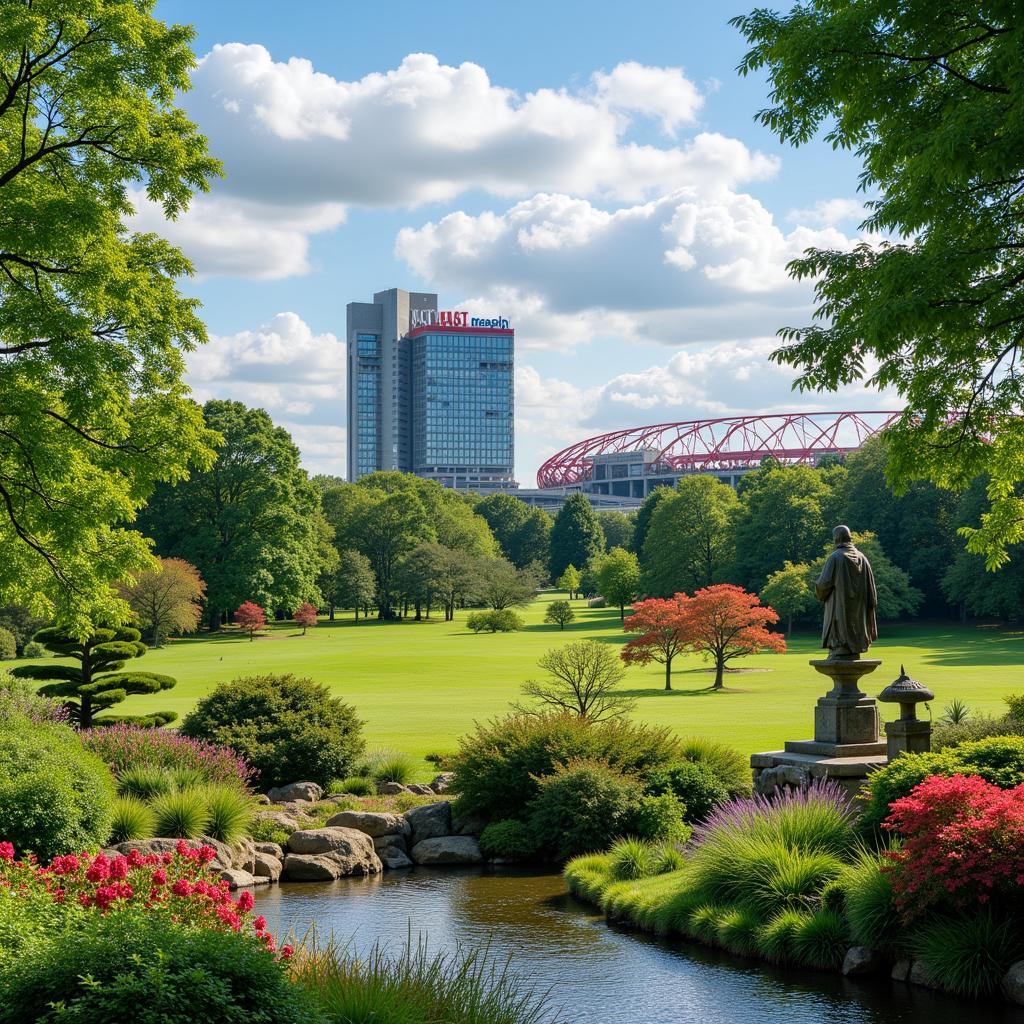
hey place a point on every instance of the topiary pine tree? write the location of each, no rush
(97, 682)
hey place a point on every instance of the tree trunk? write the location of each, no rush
(719, 672)
(215, 620)
(789, 625)
(330, 611)
(668, 673)
(622, 613)
(419, 611)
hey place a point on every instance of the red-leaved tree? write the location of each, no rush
(250, 616)
(659, 622)
(725, 622)
(305, 616)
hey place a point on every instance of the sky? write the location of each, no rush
(592, 171)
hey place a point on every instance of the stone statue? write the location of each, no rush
(847, 588)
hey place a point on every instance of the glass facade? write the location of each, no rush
(367, 399)
(462, 405)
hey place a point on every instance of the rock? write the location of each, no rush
(395, 859)
(243, 855)
(396, 841)
(471, 825)
(860, 960)
(305, 867)
(262, 798)
(391, 788)
(919, 975)
(901, 970)
(420, 789)
(296, 791)
(1013, 983)
(271, 849)
(447, 850)
(268, 867)
(146, 846)
(352, 850)
(296, 808)
(225, 859)
(373, 823)
(241, 879)
(430, 821)
(280, 820)
(442, 782)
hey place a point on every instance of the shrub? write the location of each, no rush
(124, 747)
(413, 987)
(34, 649)
(693, 783)
(820, 940)
(264, 831)
(145, 782)
(148, 969)
(1014, 706)
(187, 777)
(181, 814)
(775, 940)
(8, 645)
(730, 767)
(509, 839)
(497, 766)
(357, 785)
(969, 954)
(391, 766)
(659, 818)
(667, 858)
(229, 813)
(19, 700)
(629, 859)
(581, 806)
(869, 904)
(55, 797)
(737, 929)
(132, 819)
(997, 759)
(503, 621)
(287, 727)
(977, 727)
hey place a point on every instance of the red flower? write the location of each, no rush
(245, 901)
(287, 951)
(6, 851)
(260, 923)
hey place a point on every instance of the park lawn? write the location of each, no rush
(421, 685)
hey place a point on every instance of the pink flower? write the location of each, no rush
(182, 887)
(159, 877)
(6, 851)
(287, 951)
(245, 901)
(260, 923)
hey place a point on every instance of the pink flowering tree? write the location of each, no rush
(250, 617)
(305, 616)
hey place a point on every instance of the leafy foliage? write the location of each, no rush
(167, 599)
(694, 784)
(8, 645)
(305, 616)
(659, 623)
(504, 621)
(510, 839)
(287, 727)
(559, 613)
(355, 583)
(575, 536)
(98, 682)
(618, 578)
(250, 617)
(788, 591)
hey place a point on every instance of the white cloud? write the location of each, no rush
(830, 212)
(659, 92)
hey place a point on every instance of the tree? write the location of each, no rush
(559, 613)
(644, 514)
(93, 410)
(658, 621)
(575, 536)
(896, 596)
(618, 577)
(581, 680)
(328, 559)
(250, 523)
(789, 592)
(532, 541)
(250, 617)
(522, 532)
(168, 599)
(460, 578)
(690, 540)
(97, 682)
(617, 529)
(502, 585)
(421, 574)
(305, 616)
(781, 518)
(930, 105)
(355, 584)
(569, 581)
(724, 622)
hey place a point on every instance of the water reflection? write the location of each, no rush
(596, 974)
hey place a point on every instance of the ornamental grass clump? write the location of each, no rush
(229, 813)
(145, 781)
(183, 814)
(133, 819)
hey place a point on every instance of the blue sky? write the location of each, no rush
(592, 171)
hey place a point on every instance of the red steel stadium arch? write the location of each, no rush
(731, 442)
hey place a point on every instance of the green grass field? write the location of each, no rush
(419, 686)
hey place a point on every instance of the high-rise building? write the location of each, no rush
(430, 392)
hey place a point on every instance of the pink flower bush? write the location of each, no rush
(962, 843)
(177, 884)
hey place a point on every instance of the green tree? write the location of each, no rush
(460, 579)
(581, 680)
(355, 584)
(523, 533)
(97, 682)
(617, 528)
(93, 411)
(532, 541)
(644, 513)
(502, 585)
(789, 592)
(559, 613)
(575, 536)
(618, 577)
(420, 576)
(167, 599)
(249, 523)
(929, 100)
(570, 581)
(690, 540)
(781, 518)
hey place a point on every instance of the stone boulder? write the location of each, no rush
(447, 850)
(147, 846)
(394, 859)
(441, 782)
(398, 840)
(901, 970)
(919, 975)
(1013, 983)
(308, 867)
(308, 791)
(373, 823)
(271, 849)
(267, 867)
(285, 822)
(430, 821)
(471, 825)
(350, 853)
(860, 960)
(241, 879)
(420, 789)
(391, 788)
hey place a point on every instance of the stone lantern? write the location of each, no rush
(907, 734)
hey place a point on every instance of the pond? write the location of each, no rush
(596, 974)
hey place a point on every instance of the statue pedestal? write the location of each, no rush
(908, 736)
(846, 746)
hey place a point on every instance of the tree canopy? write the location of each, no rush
(618, 578)
(93, 411)
(575, 537)
(931, 101)
(168, 599)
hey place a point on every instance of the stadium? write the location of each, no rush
(620, 468)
